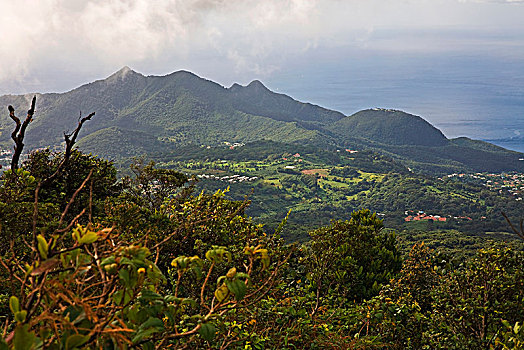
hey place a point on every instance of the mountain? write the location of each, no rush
(413, 141)
(176, 109)
(256, 99)
(390, 127)
(147, 115)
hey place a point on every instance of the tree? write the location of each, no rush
(470, 304)
(18, 133)
(352, 259)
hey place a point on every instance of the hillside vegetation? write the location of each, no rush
(157, 114)
(150, 261)
(319, 186)
(390, 127)
(89, 262)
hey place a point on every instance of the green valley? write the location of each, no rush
(319, 186)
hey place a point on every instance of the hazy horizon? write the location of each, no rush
(457, 63)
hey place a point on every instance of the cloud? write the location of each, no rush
(55, 44)
(496, 1)
(95, 32)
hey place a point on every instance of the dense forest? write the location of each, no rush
(154, 261)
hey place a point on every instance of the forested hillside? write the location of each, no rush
(153, 115)
(390, 127)
(88, 261)
(321, 185)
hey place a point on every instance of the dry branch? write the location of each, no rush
(19, 133)
(520, 232)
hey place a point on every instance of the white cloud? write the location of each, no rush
(496, 1)
(85, 39)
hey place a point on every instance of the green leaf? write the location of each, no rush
(121, 298)
(237, 287)
(516, 328)
(23, 339)
(207, 331)
(148, 346)
(217, 254)
(150, 326)
(144, 334)
(20, 316)
(14, 304)
(222, 293)
(189, 302)
(263, 256)
(76, 340)
(111, 268)
(506, 324)
(108, 260)
(231, 273)
(42, 246)
(88, 238)
(152, 322)
(124, 275)
(211, 255)
(150, 295)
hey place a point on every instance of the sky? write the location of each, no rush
(56, 45)
(457, 63)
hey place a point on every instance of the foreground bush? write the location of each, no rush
(101, 292)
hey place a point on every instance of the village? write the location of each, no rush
(233, 145)
(5, 158)
(512, 184)
(420, 215)
(231, 179)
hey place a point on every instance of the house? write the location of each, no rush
(421, 216)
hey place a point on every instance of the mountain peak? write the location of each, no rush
(391, 126)
(123, 73)
(184, 73)
(236, 86)
(257, 84)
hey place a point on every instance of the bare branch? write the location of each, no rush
(70, 139)
(73, 197)
(517, 232)
(70, 142)
(68, 227)
(19, 132)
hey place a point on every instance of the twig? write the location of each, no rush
(202, 290)
(73, 197)
(68, 227)
(90, 217)
(518, 233)
(70, 141)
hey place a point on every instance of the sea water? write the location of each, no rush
(480, 98)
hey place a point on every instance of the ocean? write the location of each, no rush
(480, 98)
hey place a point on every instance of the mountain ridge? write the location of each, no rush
(182, 108)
